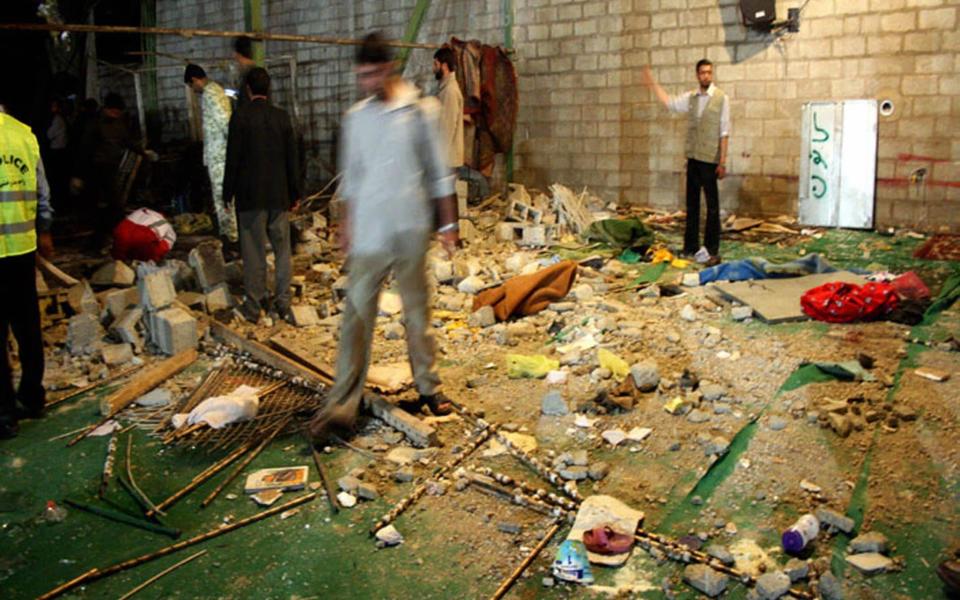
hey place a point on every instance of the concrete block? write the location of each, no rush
(483, 317)
(83, 333)
(125, 327)
(117, 301)
(173, 330)
(116, 354)
(156, 290)
(208, 264)
(534, 235)
(82, 299)
(115, 273)
(304, 315)
(506, 232)
(218, 298)
(192, 300)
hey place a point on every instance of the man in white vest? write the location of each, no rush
(708, 128)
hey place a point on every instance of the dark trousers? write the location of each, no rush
(702, 175)
(19, 311)
(255, 227)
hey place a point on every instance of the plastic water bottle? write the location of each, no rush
(800, 534)
(53, 513)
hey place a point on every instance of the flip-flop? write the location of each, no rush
(604, 540)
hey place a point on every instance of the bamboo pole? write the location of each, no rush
(327, 486)
(200, 478)
(512, 578)
(185, 32)
(93, 386)
(95, 574)
(107, 471)
(243, 464)
(166, 571)
(145, 503)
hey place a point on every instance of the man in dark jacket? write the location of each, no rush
(263, 178)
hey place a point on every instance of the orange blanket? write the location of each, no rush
(529, 294)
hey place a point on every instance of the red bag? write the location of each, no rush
(143, 235)
(847, 302)
(910, 287)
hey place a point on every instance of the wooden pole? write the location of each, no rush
(512, 578)
(199, 479)
(146, 381)
(243, 464)
(95, 574)
(262, 36)
(161, 574)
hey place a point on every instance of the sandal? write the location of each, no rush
(604, 540)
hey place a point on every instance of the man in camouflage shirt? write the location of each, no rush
(216, 121)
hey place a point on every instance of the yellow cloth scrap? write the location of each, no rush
(661, 254)
(675, 406)
(535, 366)
(609, 360)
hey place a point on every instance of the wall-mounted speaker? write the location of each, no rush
(758, 13)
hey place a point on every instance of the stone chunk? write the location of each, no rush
(830, 587)
(512, 528)
(646, 375)
(840, 424)
(208, 264)
(598, 470)
(218, 298)
(834, 519)
(771, 586)
(393, 331)
(404, 475)
(156, 289)
(304, 315)
(712, 392)
(741, 313)
(155, 398)
(720, 553)
(348, 483)
(796, 569)
(125, 327)
(573, 473)
(115, 273)
(705, 580)
(83, 333)
(869, 542)
(82, 299)
(869, 563)
(688, 313)
(553, 405)
(118, 301)
(367, 491)
(716, 446)
(470, 285)
(116, 354)
(173, 330)
(483, 317)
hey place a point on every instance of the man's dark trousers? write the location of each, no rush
(20, 312)
(702, 175)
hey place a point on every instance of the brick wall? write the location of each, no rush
(585, 118)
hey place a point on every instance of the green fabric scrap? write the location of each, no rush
(620, 233)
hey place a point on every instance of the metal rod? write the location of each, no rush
(166, 571)
(254, 35)
(124, 518)
(95, 574)
(512, 578)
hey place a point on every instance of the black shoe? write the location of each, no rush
(29, 413)
(8, 429)
(249, 310)
(439, 404)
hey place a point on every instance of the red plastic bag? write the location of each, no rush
(839, 302)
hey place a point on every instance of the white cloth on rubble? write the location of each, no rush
(239, 405)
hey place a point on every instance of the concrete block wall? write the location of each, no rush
(586, 120)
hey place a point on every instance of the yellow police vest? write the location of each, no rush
(19, 155)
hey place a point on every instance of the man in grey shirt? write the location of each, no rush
(397, 189)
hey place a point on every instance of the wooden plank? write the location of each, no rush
(374, 382)
(262, 353)
(778, 300)
(146, 381)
